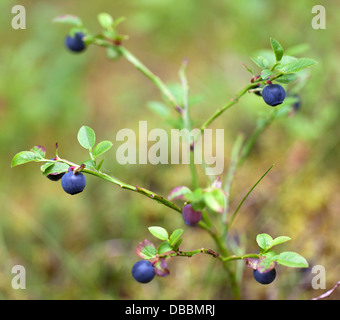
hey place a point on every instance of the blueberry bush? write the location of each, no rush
(274, 77)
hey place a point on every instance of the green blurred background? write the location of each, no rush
(83, 247)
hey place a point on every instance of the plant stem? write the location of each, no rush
(187, 121)
(123, 185)
(234, 257)
(227, 106)
(190, 253)
(150, 75)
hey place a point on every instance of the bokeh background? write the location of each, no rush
(83, 247)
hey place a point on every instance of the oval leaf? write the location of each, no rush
(86, 137)
(264, 241)
(298, 65)
(277, 48)
(215, 200)
(178, 193)
(105, 20)
(280, 240)
(146, 250)
(101, 147)
(24, 157)
(55, 168)
(159, 233)
(164, 247)
(175, 236)
(292, 259)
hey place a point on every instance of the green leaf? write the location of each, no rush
(298, 65)
(86, 137)
(146, 250)
(292, 259)
(39, 151)
(264, 241)
(215, 200)
(24, 157)
(57, 167)
(266, 264)
(101, 147)
(298, 49)
(89, 164)
(159, 109)
(159, 233)
(112, 53)
(178, 193)
(164, 247)
(287, 78)
(46, 165)
(260, 61)
(100, 165)
(277, 49)
(266, 73)
(279, 240)
(69, 19)
(105, 20)
(176, 234)
(177, 244)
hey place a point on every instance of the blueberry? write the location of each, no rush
(297, 104)
(73, 183)
(143, 271)
(76, 43)
(55, 176)
(190, 216)
(273, 94)
(265, 277)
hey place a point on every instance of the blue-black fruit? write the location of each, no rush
(76, 43)
(55, 176)
(143, 271)
(73, 183)
(273, 94)
(265, 277)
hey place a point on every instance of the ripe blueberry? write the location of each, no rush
(55, 176)
(273, 94)
(143, 271)
(190, 216)
(265, 277)
(73, 183)
(76, 43)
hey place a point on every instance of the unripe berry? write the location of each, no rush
(273, 94)
(190, 216)
(73, 183)
(265, 277)
(76, 43)
(143, 271)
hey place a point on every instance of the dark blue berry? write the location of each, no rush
(55, 176)
(73, 183)
(265, 277)
(143, 271)
(297, 104)
(190, 216)
(76, 43)
(273, 94)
